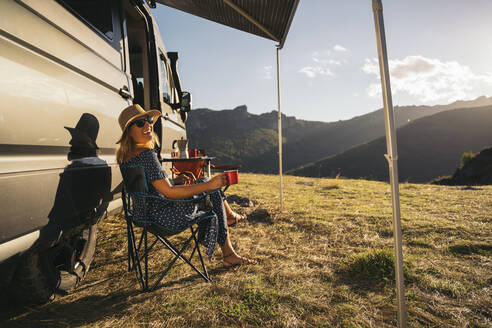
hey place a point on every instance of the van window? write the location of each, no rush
(98, 14)
(165, 78)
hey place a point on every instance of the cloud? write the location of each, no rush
(339, 48)
(313, 71)
(322, 64)
(429, 79)
(267, 72)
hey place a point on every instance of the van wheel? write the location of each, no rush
(61, 268)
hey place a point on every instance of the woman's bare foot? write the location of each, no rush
(234, 218)
(233, 259)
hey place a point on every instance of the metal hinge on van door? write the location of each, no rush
(125, 93)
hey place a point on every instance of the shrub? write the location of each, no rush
(465, 158)
(375, 265)
(378, 265)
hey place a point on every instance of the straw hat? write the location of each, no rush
(132, 113)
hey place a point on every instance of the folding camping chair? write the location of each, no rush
(135, 189)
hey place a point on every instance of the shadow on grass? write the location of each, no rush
(187, 277)
(114, 260)
(89, 309)
(360, 284)
(82, 311)
(260, 215)
(471, 248)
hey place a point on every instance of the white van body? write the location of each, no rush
(67, 69)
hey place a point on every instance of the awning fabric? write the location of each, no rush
(270, 19)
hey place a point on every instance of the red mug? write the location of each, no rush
(201, 152)
(192, 153)
(232, 177)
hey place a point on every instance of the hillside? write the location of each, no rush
(477, 171)
(427, 148)
(325, 261)
(236, 136)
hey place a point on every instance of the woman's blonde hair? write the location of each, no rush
(127, 147)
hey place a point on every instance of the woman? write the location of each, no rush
(137, 149)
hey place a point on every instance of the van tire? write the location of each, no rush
(35, 280)
(38, 277)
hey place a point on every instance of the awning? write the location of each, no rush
(270, 19)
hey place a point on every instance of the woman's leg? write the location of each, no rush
(231, 258)
(232, 217)
(229, 255)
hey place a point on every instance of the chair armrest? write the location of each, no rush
(194, 199)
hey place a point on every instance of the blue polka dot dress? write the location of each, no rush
(178, 216)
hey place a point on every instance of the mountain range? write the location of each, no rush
(427, 148)
(236, 136)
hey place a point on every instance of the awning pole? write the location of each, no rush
(279, 129)
(391, 156)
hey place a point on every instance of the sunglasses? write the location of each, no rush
(141, 122)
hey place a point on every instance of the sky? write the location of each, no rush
(439, 51)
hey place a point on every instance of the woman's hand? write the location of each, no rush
(183, 179)
(183, 191)
(218, 181)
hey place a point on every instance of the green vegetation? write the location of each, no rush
(465, 158)
(378, 265)
(326, 260)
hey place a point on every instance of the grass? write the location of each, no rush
(326, 260)
(373, 265)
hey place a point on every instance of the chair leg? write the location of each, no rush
(197, 248)
(201, 260)
(137, 253)
(196, 245)
(129, 250)
(144, 275)
(146, 259)
(178, 254)
(149, 248)
(136, 258)
(193, 236)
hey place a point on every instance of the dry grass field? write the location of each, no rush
(325, 261)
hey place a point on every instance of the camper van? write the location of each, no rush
(67, 69)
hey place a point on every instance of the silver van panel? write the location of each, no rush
(44, 90)
(51, 25)
(32, 86)
(17, 245)
(37, 199)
